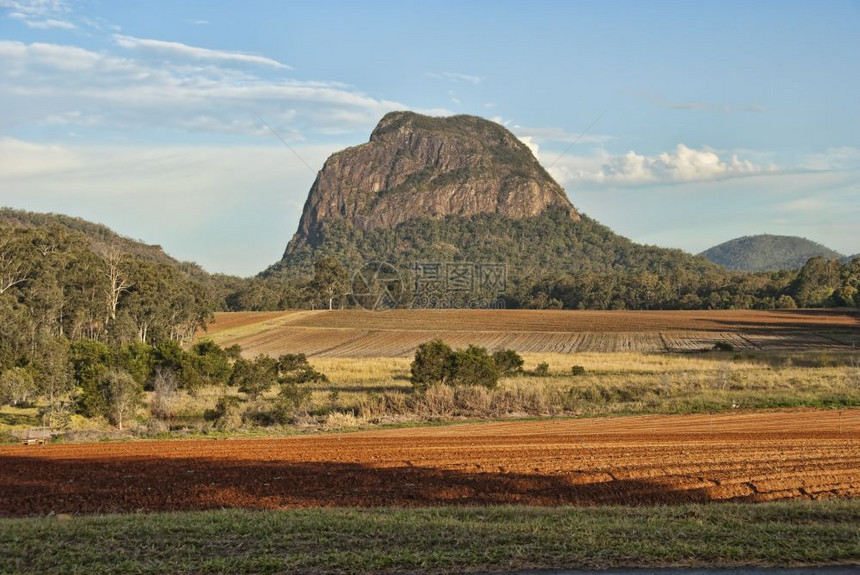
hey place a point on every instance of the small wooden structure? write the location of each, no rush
(37, 436)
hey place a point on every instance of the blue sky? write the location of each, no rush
(719, 119)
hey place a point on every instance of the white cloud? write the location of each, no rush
(709, 107)
(50, 23)
(560, 135)
(36, 8)
(531, 144)
(198, 22)
(40, 14)
(177, 49)
(696, 106)
(842, 158)
(75, 117)
(684, 164)
(457, 77)
(40, 83)
(197, 201)
(19, 159)
(804, 205)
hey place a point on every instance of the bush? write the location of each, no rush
(210, 362)
(723, 346)
(542, 370)
(430, 364)
(227, 414)
(255, 377)
(291, 399)
(164, 386)
(577, 370)
(294, 368)
(16, 386)
(122, 395)
(472, 366)
(233, 352)
(508, 361)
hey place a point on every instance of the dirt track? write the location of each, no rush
(638, 460)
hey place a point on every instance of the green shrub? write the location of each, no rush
(508, 361)
(542, 370)
(577, 370)
(472, 366)
(294, 368)
(291, 399)
(723, 346)
(255, 377)
(430, 363)
(16, 386)
(227, 414)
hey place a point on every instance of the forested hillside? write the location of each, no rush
(554, 262)
(767, 253)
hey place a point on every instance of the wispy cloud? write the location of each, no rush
(43, 82)
(179, 50)
(40, 14)
(49, 23)
(708, 107)
(198, 22)
(559, 135)
(456, 77)
(696, 106)
(841, 158)
(804, 205)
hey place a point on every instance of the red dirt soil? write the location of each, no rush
(234, 319)
(634, 460)
(397, 333)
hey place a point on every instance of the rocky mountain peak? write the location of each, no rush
(417, 166)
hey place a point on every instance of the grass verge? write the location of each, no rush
(436, 540)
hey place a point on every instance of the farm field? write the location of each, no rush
(741, 457)
(397, 333)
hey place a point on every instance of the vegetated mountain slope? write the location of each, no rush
(102, 237)
(767, 253)
(456, 189)
(223, 291)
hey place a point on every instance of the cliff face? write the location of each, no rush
(417, 166)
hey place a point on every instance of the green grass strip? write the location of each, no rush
(436, 540)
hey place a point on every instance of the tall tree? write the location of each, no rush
(330, 279)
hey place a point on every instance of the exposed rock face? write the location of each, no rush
(418, 166)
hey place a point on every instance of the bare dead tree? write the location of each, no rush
(118, 281)
(14, 269)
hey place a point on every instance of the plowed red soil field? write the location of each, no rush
(397, 333)
(635, 460)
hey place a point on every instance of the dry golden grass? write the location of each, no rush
(364, 391)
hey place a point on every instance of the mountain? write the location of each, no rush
(101, 237)
(452, 189)
(767, 253)
(223, 292)
(415, 166)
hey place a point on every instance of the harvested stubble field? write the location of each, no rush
(762, 456)
(396, 333)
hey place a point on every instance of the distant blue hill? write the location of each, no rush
(767, 253)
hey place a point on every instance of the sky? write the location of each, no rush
(677, 124)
